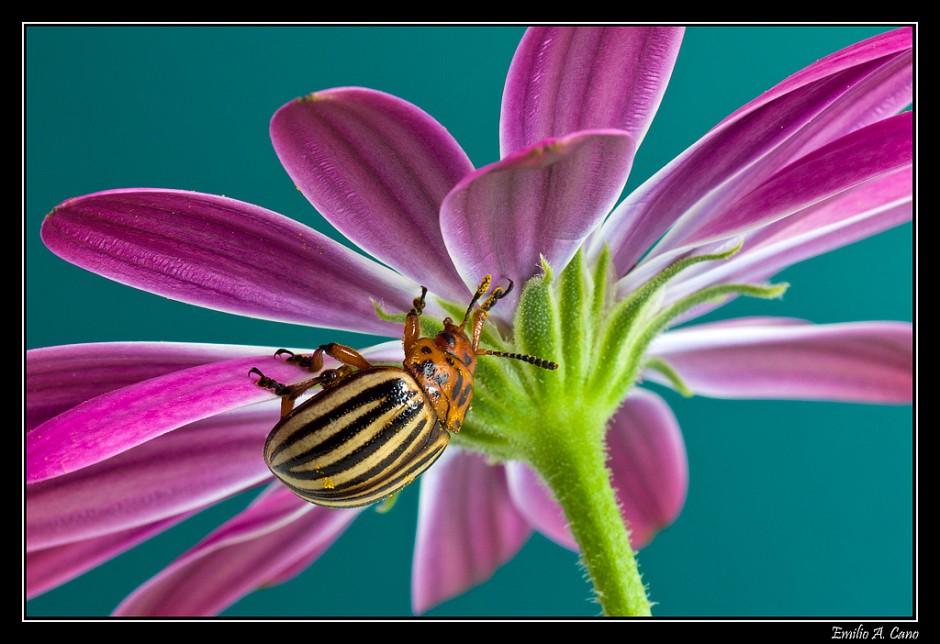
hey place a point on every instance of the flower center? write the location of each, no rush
(599, 339)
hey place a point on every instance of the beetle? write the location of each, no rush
(372, 429)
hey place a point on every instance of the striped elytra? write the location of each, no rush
(358, 443)
(372, 430)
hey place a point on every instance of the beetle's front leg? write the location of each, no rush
(314, 362)
(290, 393)
(413, 321)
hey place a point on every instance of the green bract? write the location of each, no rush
(556, 420)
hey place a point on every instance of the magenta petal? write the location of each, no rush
(225, 255)
(648, 462)
(239, 557)
(537, 504)
(378, 169)
(879, 46)
(59, 378)
(292, 568)
(565, 79)
(858, 362)
(192, 467)
(541, 201)
(119, 420)
(845, 92)
(649, 470)
(52, 567)
(865, 154)
(866, 210)
(467, 528)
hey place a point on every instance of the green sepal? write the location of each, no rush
(386, 316)
(625, 325)
(385, 505)
(659, 280)
(709, 295)
(495, 447)
(537, 331)
(600, 283)
(661, 366)
(429, 326)
(664, 317)
(574, 307)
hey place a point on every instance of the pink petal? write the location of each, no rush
(649, 465)
(649, 469)
(378, 169)
(886, 44)
(867, 209)
(857, 158)
(193, 467)
(828, 100)
(536, 503)
(52, 567)
(857, 362)
(59, 378)
(565, 79)
(291, 569)
(225, 255)
(119, 420)
(467, 528)
(538, 202)
(240, 556)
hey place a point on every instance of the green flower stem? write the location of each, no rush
(572, 464)
(556, 420)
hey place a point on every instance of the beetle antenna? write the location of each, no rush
(538, 362)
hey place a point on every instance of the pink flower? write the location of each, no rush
(819, 161)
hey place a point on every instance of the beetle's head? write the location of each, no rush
(454, 340)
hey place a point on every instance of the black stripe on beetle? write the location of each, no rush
(337, 404)
(342, 434)
(346, 457)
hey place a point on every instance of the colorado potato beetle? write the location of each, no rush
(372, 430)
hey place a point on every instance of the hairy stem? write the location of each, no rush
(573, 466)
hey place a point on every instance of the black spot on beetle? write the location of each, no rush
(427, 368)
(464, 395)
(449, 361)
(425, 349)
(448, 338)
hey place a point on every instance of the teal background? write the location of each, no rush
(794, 508)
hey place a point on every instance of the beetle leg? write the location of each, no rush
(293, 358)
(314, 361)
(480, 315)
(479, 318)
(290, 393)
(413, 321)
(481, 291)
(340, 353)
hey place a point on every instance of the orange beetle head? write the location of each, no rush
(452, 340)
